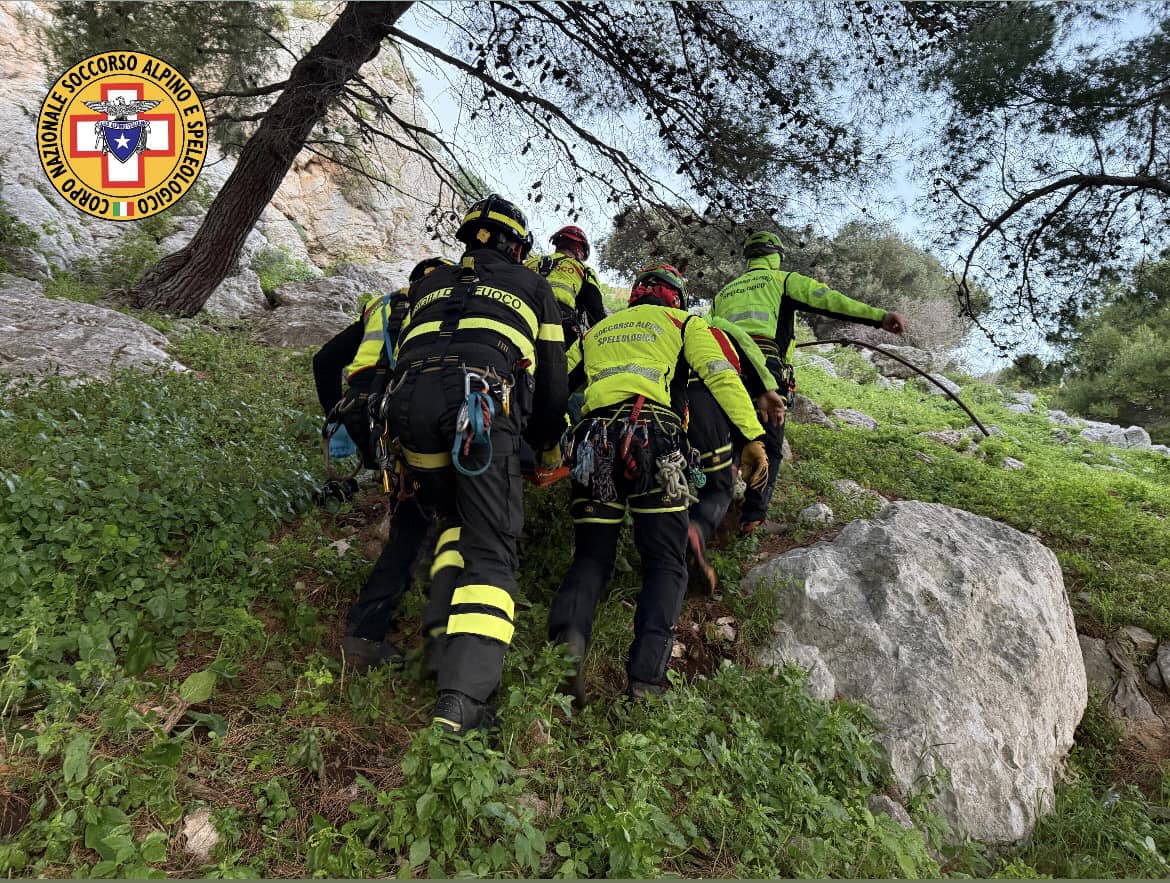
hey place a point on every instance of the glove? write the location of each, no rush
(549, 469)
(894, 323)
(341, 445)
(550, 459)
(754, 465)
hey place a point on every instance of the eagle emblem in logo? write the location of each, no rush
(120, 136)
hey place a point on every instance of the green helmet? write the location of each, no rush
(761, 243)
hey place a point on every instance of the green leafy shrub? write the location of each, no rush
(13, 234)
(125, 509)
(275, 267)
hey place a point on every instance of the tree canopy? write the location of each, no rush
(1053, 166)
(865, 260)
(1118, 365)
(713, 104)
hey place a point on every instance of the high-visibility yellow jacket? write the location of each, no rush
(574, 283)
(645, 350)
(381, 315)
(753, 368)
(764, 302)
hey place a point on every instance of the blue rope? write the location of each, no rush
(478, 410)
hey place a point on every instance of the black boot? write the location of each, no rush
(340, 491)
(458, 713)
(576, 646)
(362, 654)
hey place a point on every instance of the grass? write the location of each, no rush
(171, 603)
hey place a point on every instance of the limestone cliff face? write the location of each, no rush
(322, 213)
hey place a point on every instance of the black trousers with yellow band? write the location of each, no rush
(660, 534)
(474, 574)
(709, 432)
(756, 502)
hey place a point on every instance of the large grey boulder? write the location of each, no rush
(1060, 418)
(853, 418)
(1027, 399)
(956, 632)
(40, 336)
(237, 297)
(1114, 435)
(919, 358)
(377, 277)
(940, 381)
(805, 410)
(809, 360)
(339, 293)
(300, 325)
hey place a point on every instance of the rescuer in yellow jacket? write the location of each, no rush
(629, 453)
(764, 302)
(574, 283)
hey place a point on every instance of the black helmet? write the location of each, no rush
(422, 268)
(494, 221)
(761, 243)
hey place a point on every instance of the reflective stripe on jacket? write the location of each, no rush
(373, 335)
(510, 318)
(764, 302)
(640, 351)
(565, 275)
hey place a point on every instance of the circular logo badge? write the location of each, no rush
(122, 135)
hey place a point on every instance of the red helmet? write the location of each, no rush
(663, 282)
(574, 235)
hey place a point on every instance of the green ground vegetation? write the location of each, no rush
(171, 603)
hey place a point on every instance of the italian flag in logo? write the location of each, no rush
(123, 209)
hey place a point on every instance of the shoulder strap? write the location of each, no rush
(468, 280)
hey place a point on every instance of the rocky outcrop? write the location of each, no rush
(805, 410)
(817, 513)
(41, 336)
(854, 419)
(940, 383)
(919, 358)
(810, 360)
(851, 491)
(321, 212)
(956, 632)
(1115, 436)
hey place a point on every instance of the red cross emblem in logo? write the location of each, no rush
(129, 174)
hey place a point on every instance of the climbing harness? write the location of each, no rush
(788, 385)
(629, 453)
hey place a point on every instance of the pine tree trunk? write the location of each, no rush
(182, 282)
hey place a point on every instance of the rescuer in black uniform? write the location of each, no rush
(480, 360)
(358, 353)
